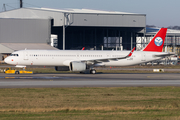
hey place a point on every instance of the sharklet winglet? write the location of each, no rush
(131, 52)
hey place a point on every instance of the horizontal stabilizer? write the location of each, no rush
(164, 55)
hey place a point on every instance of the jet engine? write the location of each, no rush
(74, 66)
(78, 66)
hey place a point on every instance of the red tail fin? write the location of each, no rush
(157, 43)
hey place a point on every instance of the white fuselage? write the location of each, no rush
(64, 57)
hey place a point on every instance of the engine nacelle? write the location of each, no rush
(62, 68)
(78, 66)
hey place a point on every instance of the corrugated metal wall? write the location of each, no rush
(80, 19)
(27, 13)
(25, 30)
(108, 20)
(4, 49)
(1, 57)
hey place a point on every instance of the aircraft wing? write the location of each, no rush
(164, 55)
(109, 59)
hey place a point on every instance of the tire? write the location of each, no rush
(93, 71)
(17, 72)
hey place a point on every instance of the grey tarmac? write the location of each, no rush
(89, 80)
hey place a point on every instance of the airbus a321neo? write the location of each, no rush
(85, 60)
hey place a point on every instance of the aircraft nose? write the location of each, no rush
(6, 60)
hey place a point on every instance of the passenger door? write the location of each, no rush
(25, 55)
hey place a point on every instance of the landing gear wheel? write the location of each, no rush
(17, 72)
(93, 71)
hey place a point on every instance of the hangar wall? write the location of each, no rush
(25, 30)
(5, 49)
(28, 13)
(74, 18)
(1, 57)
(108, 20)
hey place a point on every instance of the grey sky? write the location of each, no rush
(162, 13)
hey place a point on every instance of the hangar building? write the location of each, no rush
(31, 28)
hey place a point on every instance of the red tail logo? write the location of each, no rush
(157, 43)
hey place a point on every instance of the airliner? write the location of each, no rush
(86, 60)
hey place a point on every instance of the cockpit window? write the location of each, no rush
(14, 55)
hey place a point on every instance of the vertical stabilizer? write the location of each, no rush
(157, 43)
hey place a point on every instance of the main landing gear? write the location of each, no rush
(89, 71)
(93, 71)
